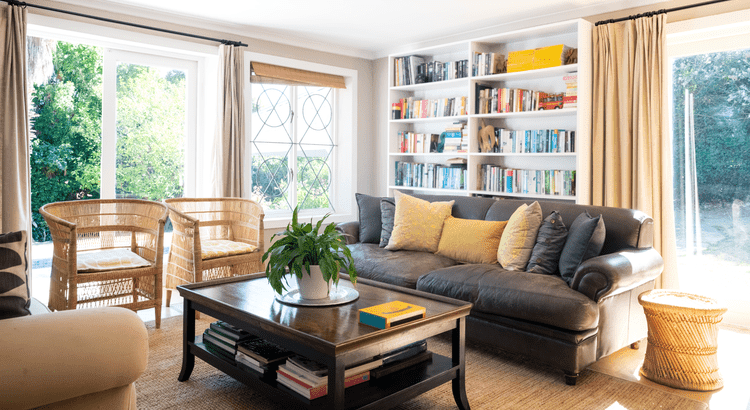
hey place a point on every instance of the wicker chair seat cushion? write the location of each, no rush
(110, 259)
(216, 248)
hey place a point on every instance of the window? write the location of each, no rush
(302, 138)
(710, 95)
(294, 143)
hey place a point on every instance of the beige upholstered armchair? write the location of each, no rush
(107, 252)
(213, 238)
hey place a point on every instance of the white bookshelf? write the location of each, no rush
(574, 34)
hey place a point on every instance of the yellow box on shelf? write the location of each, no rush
(552, 56)
(520, 60)
(386, 315)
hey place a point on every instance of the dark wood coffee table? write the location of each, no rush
(332, 336)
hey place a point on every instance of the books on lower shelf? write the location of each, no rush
(430, 175)
(312, 393)
(393, 313)
(262, 352)
(533, 141)
(310, 378)
(222, 339)
(526, 181)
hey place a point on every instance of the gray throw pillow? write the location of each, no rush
(585, 240)
(369, 218)
(14, 286)
(549, 245)
(387, 213)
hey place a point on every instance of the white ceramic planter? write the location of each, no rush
(313, 286)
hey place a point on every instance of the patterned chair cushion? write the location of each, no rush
(216, 248)
(110, 259)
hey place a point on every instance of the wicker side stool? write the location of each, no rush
(682, 339)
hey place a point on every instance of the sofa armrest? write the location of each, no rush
(350, 231)
(617, 272)
(57, 356)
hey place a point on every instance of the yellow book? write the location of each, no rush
(386, 315)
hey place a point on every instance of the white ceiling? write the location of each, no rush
(369, 29)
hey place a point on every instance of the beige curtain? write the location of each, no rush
(631, 146)
(229, 147)
(15, 196)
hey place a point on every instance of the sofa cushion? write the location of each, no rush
(585, 240)
(14, 284)
(369, 218)
(522, 295)
(519, 237)
(471, 240)
(417, 224)
(549, 245)
(110, 259)
(387, 213)
(401, 268)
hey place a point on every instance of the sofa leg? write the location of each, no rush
(571, 378)
(635, 345)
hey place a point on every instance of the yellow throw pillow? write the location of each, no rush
(519, 237)
(471, 240)
(417, 223)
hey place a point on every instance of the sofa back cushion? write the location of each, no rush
(519, 237)
(464, 207)
(626, 228)
(369, 218)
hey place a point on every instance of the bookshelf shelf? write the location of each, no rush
(526, 114)
(448, 119)
(530, 74)
(436, 85)
(572, 34)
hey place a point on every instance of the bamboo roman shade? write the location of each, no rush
(274, 74)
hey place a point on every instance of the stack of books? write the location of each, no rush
(260, 355)
(310, 379)
(571, 91)
(222, 339)
(402, 358)
(393, 313)
(455, 138)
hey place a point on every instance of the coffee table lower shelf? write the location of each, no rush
(380, 393)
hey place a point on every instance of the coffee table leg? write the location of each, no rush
(459, 359)
(188, 335)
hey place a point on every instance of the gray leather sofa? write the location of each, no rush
(535, 315)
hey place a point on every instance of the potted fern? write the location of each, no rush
(315, 258)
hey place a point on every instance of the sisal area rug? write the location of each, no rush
(494, 381)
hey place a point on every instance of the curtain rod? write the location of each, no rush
(179, 33)
(653, 13)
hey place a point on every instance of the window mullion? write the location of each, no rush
(109, 118)
(295, 145)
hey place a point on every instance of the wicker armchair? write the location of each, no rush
(213, 238)
(107, 252)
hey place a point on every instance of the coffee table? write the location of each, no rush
(332, 336)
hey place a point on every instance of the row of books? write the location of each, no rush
(500, 100)
(454, 139)
(309, 378)
(420, 175)
(526, 181)
(414, 70)
(410, 108)
(533, 141)
(488, 63)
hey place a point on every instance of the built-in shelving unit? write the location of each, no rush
(574, 34)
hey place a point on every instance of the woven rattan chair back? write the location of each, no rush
(100, 225)
(200, 219)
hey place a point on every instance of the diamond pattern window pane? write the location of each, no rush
(293, 145)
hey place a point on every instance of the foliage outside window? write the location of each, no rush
(66, 130)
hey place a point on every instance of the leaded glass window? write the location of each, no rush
(293, 142)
